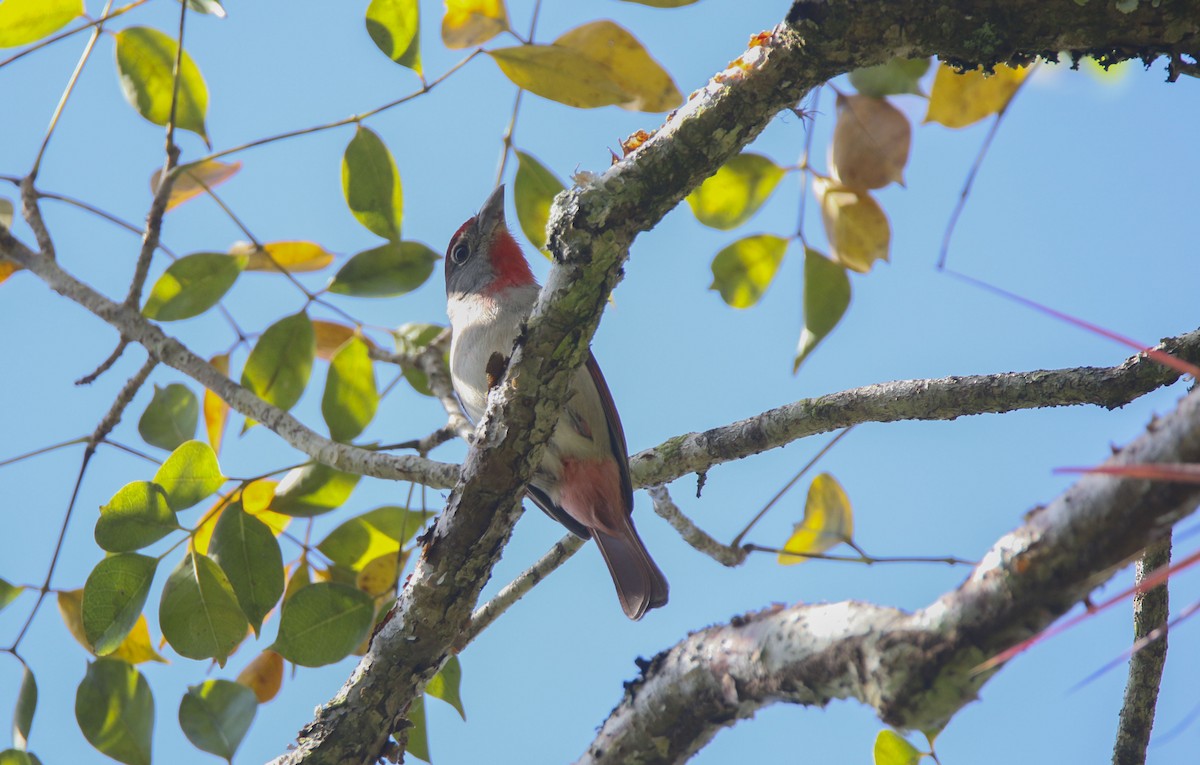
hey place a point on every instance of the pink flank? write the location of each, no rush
(590, 491)
(512, 270)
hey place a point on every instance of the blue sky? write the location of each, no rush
(1083, 204)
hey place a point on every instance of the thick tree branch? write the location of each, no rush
(915, 670)
(944, 399)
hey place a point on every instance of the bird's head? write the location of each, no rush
(483, 258)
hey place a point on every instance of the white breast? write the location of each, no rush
(483, 326)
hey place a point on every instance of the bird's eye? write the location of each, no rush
(460, 254)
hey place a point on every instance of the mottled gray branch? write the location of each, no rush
(944, 399)
(1151, 610)
(726, 555)
(915, 670)
(130, 323)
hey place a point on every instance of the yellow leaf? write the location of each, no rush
(194, 179)
(870, 143)
(378, 575)
(629, 65)
(263, 675)
(70, 606)
(293, 257)
(855, 224)
(204, 530)
(257, 496)
(136, 648)
(216, 411)
(732, 195)
(300, 578)
(7, 269)
(560, 74)
(597, 64)
(331, 336)
(25, 21)
(958, 100)
(743, 270)
(828, 521)
(472, 22)
(892, 749)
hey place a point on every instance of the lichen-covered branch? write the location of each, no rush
(915, 670)
(944, 399)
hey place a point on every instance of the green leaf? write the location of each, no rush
(18, 757)
(364, 538)
(282, 359)
(445, 685)
(115, 711)
(386, 271)
(826, 297)
(395, 27)
(350, 396)
(735, 192)
(371, 184)
(892, 749)
(27, 699)
(199, 613)
(136, 516)
(216, 714)
(323, 623)
(113, 598)
(900, 75)
(412, 338)
(189, 475)
(170, 418)
(743, 270)
(145, 62)
(313, 490)
(248, 553)
(192, 285)
(210, 7)
(418, 734)
(26, 21)
(534, 191)
(8, 593)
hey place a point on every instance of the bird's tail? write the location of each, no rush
(640, 585)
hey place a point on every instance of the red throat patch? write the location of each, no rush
(512, 270)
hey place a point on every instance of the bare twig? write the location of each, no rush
(62, 102)
(786, 487)
(483, 616)
(978, 163)
(106, 425)
(1150, 613)
(727, 555)
(351, 120)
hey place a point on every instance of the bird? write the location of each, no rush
(583, 480)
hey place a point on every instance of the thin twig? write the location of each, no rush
(43, 450)
(62, 101)
(1150, 612)
(727, 555)
(105, 365)
(106, 425)
(32, 212)
(779, 495)
(351, 120)
(978, 163)
(516, 589)
(869, 560)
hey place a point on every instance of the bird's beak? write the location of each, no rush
(491, 214)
